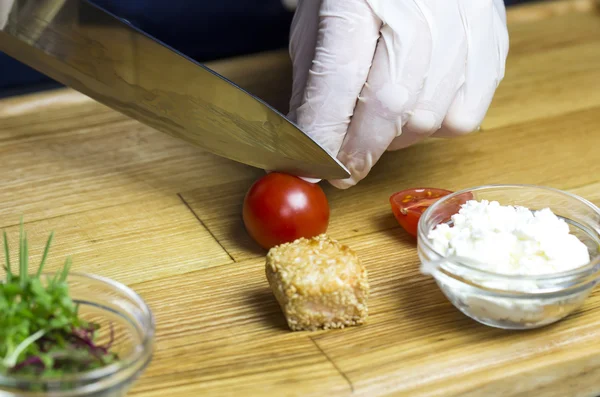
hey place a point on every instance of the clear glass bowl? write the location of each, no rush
(114, 306)
(510, 301)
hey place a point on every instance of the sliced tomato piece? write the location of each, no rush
(408, 205)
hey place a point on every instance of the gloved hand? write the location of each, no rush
(377, 75)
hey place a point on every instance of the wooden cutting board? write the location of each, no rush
(136, 205)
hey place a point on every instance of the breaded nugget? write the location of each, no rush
(319, 284)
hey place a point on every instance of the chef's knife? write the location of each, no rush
(104, 57)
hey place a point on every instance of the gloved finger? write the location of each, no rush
(303, 41)
(395, 80)
(346, 41)
(445, 75)
(487, 50)
(5, 9)
(501, 9)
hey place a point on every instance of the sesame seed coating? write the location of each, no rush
(319, 283)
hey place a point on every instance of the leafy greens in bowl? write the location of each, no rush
(69, 332)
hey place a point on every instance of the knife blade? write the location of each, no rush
(104, 57)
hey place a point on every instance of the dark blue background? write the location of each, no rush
(202, 29)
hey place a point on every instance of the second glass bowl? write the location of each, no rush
(127, 324)
(509, 301)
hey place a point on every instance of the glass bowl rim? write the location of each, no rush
(592, 267)
(105, 372)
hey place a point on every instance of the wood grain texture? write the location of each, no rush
(141, 207)
(544, 9)
(236, 341)
(83, 156)
(143, 240)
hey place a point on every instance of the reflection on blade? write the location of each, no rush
(94, 52)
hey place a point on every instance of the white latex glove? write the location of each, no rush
(5, 7)
(417, 67)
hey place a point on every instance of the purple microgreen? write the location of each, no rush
(32, 360)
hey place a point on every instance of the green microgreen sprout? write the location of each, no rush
(41, 333)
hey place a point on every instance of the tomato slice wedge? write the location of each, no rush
(408, 205)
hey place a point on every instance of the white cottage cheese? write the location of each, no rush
(509, 240)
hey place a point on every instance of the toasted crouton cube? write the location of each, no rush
(319, 284)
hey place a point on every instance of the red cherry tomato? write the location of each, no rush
(409, 204)
(280, 208)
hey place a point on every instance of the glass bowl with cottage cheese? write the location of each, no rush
(513, 256)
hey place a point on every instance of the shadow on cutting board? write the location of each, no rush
(263, 302)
